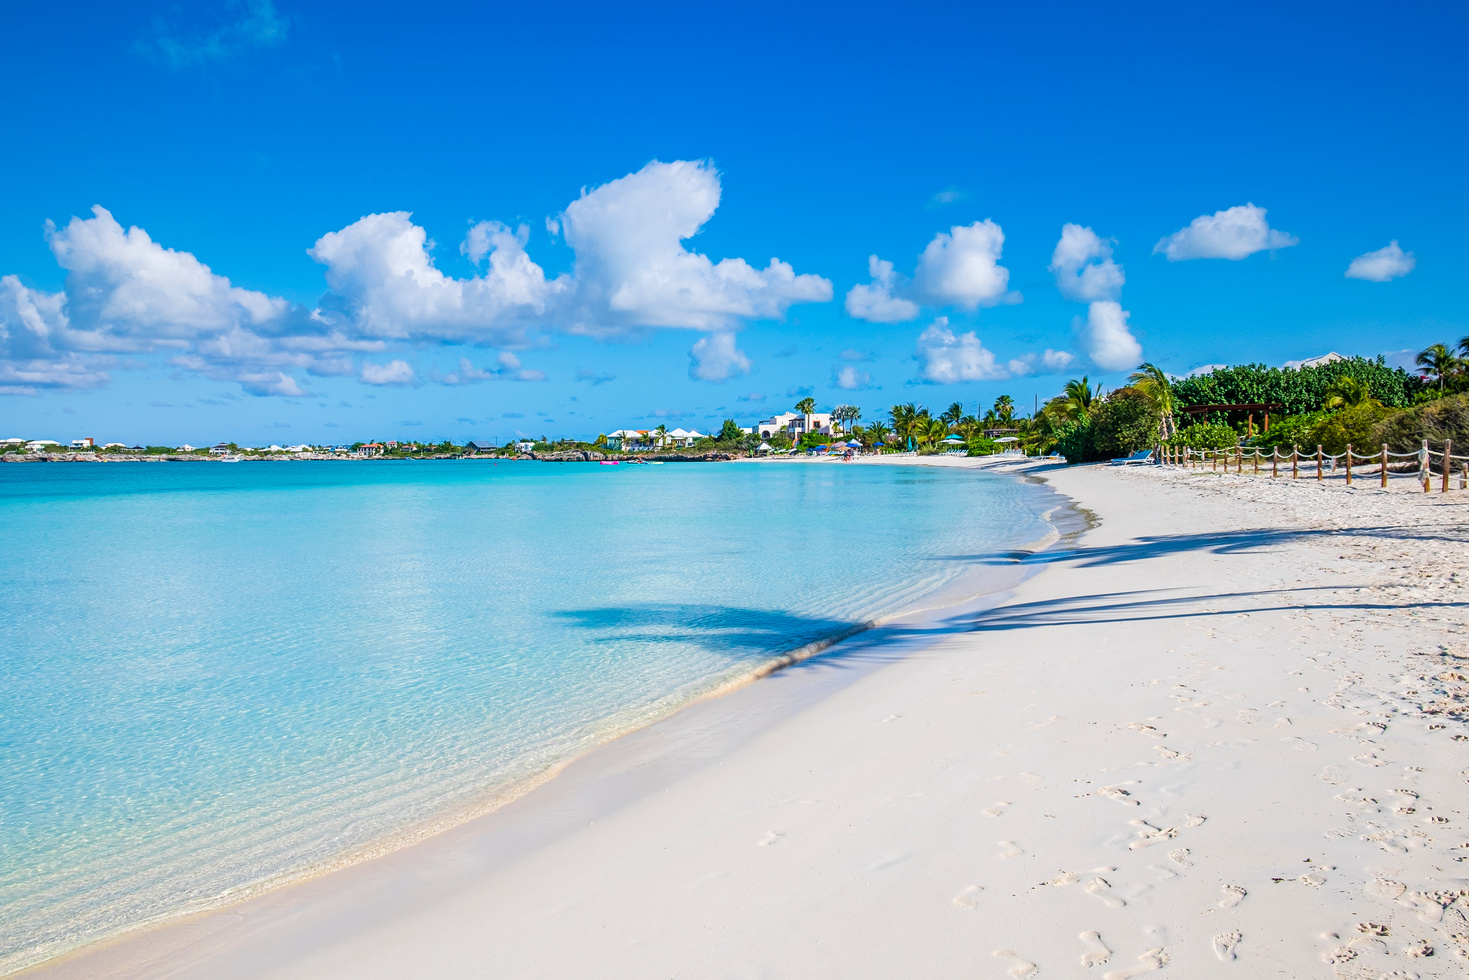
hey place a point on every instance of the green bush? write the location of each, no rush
(1205, 435)
(1292, 430)
(982, 445)
(1299, 390)
(1125, 423)
(1443, 418)
(1074, 441)
(1353, 425)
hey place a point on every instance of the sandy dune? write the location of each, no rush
(1219, 736)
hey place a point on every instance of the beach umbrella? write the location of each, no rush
(854, 444)
(1005, 439)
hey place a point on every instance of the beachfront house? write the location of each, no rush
(86, 443)
(479, 446)
(630, 440)
(220, 449)
(370, 449)
(795, 425)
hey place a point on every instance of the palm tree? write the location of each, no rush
(1440, 362)
(953, 413)
(875, 434)
(1004, 410)
(1153, 383)
(903, 417)
(1080, 394)
(1347, 392)
(936, 430)
(662, 433)
(806, 406)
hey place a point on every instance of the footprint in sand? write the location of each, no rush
(1072, 877)
(1148, 835)
(1225, 944)
(1194, 820)
(770, 838)
(1180, 857)
(1312, 878)
(1009, 849)
(1103, 891)
(1022, 967)
(1249, 715)
(969, 898)
(1097, 952)
(1116, 792)
(1153, 959)
(997, 809)
(1230, 896)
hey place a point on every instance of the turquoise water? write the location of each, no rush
(219, 676)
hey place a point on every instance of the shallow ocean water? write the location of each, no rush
(221, 676)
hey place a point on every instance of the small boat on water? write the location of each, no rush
(609, 462)
(655, 462)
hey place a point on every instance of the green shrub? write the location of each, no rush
(1074, 441)
(1292, 430)
(1299, 390)
(1443, 418)
(1205, 435)
(983, 446)
(1353, 425)
(1125, 423)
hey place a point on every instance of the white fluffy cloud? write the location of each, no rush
(716, 358)
(849, 378)
(396, 372)
(1083, 267)
(878, 301)
(126, 293)
(1047, 362)
(632, 269)
(132, 294)
(1084, 270)
(380, 269)
(33, 326)
(1107, 339)
(961, 268)
(1234, 233)
(947, 358)
(1382, 265)
(510, 369)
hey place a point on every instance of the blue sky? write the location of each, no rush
(956, 142)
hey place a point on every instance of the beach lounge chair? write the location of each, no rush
(1141, 456)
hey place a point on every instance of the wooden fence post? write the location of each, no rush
(1239, 459)
(1448, 445)
(1349, 464)
(1384, 466)
(1214, 458)
(1318, 463)
(1274, 462)
(1295, 462)
(1423, 462)
(1256, 461)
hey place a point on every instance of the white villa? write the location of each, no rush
(795, 425)
(631, 439)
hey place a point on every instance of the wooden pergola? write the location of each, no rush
(1265, 408)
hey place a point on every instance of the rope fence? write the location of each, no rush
(1421, 466)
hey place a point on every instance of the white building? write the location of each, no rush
(635, 439)
(86, 443)
(40, 445)
(795, 425)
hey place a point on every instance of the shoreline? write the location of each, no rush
(972, 590)
(1223, 732)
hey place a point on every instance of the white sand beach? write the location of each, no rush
(1219, 735)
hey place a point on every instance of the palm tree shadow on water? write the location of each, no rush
(745, 633)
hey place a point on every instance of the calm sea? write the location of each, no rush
(220, 676)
